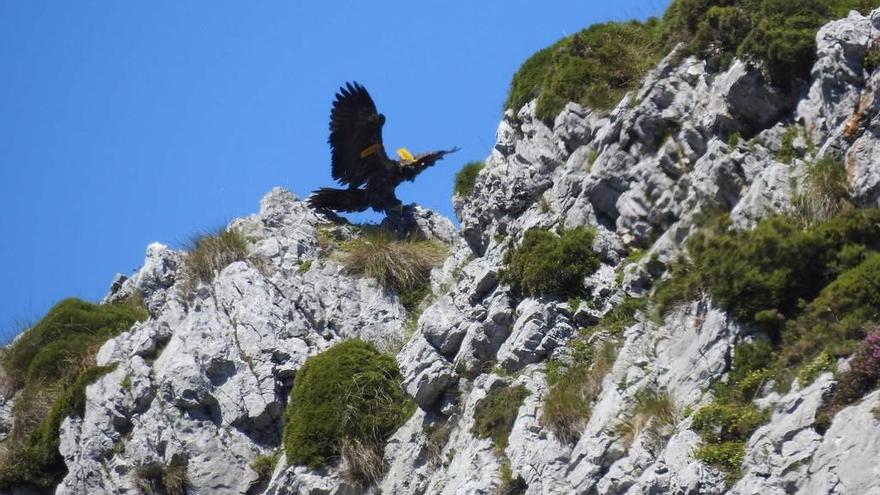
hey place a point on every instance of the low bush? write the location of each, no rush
(264, 465)
(726, 423)
(546, 264)
(403, 266)
(777, 35)
(769, 270)
(862, 378)
(209, 253)
(466, 178)
(495, 414)
(348, 395)
(727, 456)
(51, 364)
(594, 67)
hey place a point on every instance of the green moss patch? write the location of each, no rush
(594, 67)
(52, 363)
(350, 392)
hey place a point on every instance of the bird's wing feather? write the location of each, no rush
(355, 135)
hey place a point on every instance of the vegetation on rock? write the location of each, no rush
(349, 394)
(402, 265)
(495, 414)
(209, 253)
(596, 66)
(546, 264)
(466, 178)
(51, 364)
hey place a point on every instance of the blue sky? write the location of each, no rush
(124, 123)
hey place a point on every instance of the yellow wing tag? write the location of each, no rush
(405, 155)
(369, 150)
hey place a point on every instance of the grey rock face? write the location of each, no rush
(206, 378)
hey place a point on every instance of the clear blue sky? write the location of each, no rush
(124, 123)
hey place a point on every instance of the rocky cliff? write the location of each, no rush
(204, 381)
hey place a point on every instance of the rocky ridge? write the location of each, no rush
(204, 381)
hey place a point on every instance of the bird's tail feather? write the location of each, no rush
(339, 199)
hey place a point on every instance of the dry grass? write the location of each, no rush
(654, 414)
(209, 253)
(826, 193)
(403, 266)
(567, 406)
(437, 436)
(158, 479)
(363, 463)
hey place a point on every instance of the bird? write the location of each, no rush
(359, 160)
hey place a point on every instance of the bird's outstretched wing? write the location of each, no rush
(355, 136)
(410, 169)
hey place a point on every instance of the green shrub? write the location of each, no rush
(33, 457)
(787, 152)
(726, 456)
(726, 423)
(70, 331)
(51, 364)
(545, 264)
(721, 421)
(209, 253)
(872, 59)
(594, 67)
(769, 270)
(349, 392)
(495, 414)
(833, 323)
(777, 35)
(264, 465)
(403, 266)
(783, 38)
(466, 178)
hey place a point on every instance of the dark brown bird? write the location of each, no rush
(359, 159)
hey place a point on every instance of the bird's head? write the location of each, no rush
(377, 118)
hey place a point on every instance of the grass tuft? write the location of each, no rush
(495, 414)
(403, 266)
(466, 178)
(573, 389)
(209, 253)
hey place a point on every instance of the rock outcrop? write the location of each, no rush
(205, 380)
